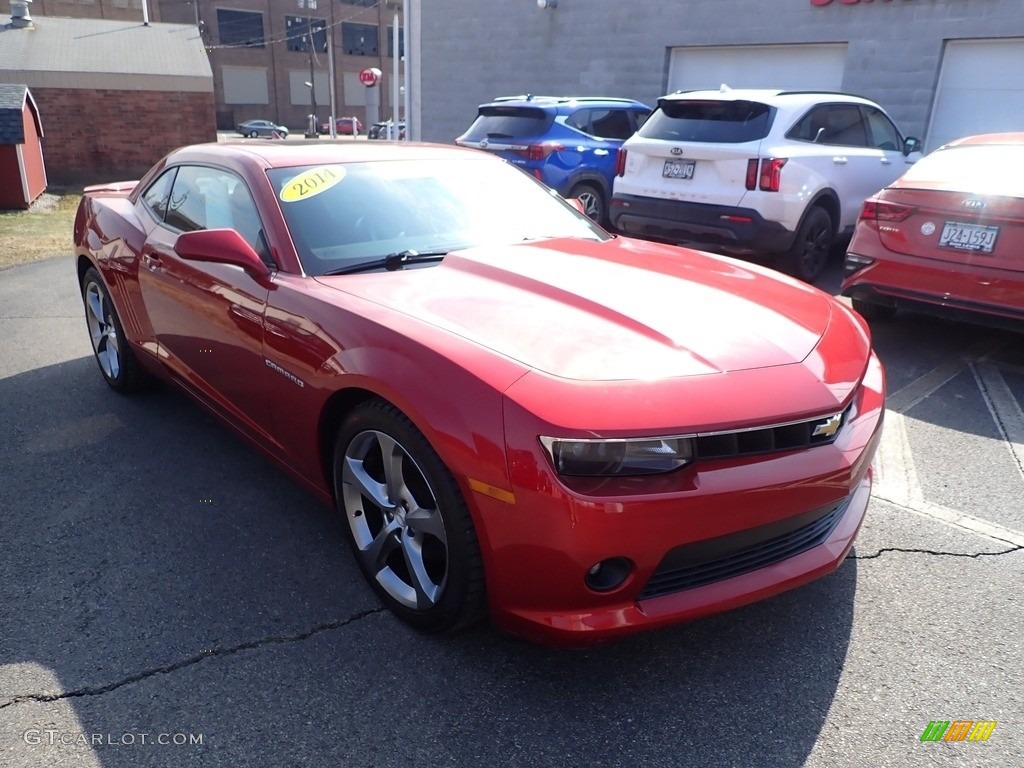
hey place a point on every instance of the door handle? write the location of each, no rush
(839, 160)
(885, 160)
(601, 152)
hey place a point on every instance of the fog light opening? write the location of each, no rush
(609, 574)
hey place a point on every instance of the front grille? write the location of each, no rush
(705, 562)
(781, 437)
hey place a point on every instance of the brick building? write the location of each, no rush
(261, 56)
(115, 96)
(943, 68)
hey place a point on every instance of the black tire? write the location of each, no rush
(809, 255)
(253, 135)
(870, 311)
(438, 587)
(113, 352)
(593, 201)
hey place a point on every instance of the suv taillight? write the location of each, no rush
(752, 174)
(771, 173)
(620, 163)
(540, 151)
(876, 210)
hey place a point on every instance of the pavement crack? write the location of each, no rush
(935, 553)
(139, 676)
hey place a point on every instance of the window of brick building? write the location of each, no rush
(298, 30)
(359, 39)
(240, 27)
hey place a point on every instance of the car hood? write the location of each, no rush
(617, 310)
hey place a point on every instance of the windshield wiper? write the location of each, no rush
(391, 262)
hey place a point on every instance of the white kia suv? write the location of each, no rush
(757, 171)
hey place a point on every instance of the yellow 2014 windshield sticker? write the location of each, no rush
(311, 183)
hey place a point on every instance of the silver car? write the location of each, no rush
(255, 128)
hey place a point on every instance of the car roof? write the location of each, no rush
(527, 99)
(774, 96)
(284, 154)
(989, 139)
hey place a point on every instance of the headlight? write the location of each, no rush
(633, 456)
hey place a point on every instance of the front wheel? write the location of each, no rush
(408, 524)
(253, 134)
(809, 254)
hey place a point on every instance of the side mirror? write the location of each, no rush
(911, 144)
(220, 246)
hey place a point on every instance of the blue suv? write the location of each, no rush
(571, 144)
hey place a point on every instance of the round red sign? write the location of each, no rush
(369, 76)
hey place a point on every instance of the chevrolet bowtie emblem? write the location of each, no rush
(828, 427)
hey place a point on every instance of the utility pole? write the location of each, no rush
(330, 76)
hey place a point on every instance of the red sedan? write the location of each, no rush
(514, 411)
(344, 126)
(947, 238)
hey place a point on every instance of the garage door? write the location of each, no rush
(793, 67)
(980, 90)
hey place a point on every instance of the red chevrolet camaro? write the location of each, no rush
(947, 238)
(514, 411)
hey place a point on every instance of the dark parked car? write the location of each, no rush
(570, 144)
(256, 128)
(380, 130)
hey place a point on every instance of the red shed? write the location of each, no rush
(22, 173)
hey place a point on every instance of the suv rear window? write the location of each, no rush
(508, 123)
(719, 122)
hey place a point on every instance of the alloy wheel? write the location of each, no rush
(102, 331)
(396, 524)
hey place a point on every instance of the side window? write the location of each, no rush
(640, 116)
(580, 120)
(883, 134)
(610, 124)
(155, 198)
(211, 198)
(844, 126)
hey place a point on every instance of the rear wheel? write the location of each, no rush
(117, 362)
(592, 200)
(871, 311)
(408, 524)
(809, 254)
(253, 134)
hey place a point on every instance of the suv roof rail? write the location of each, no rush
(562, 99)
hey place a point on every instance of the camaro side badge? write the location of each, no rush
(828, 427)
(284, 373)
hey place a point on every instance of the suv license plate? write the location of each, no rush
(678, 169)
(968, 237)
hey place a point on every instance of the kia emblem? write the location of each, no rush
(677, 150)
(973, 203)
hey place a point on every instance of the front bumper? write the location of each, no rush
(717, 535)
(737, 230)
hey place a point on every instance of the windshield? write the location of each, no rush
(340, 215)
(508, 123)
(718, 122)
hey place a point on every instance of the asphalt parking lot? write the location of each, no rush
(171, 599)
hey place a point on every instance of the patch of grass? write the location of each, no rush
(41, 231)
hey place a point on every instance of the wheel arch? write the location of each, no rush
(335, 410)
(827, 200)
